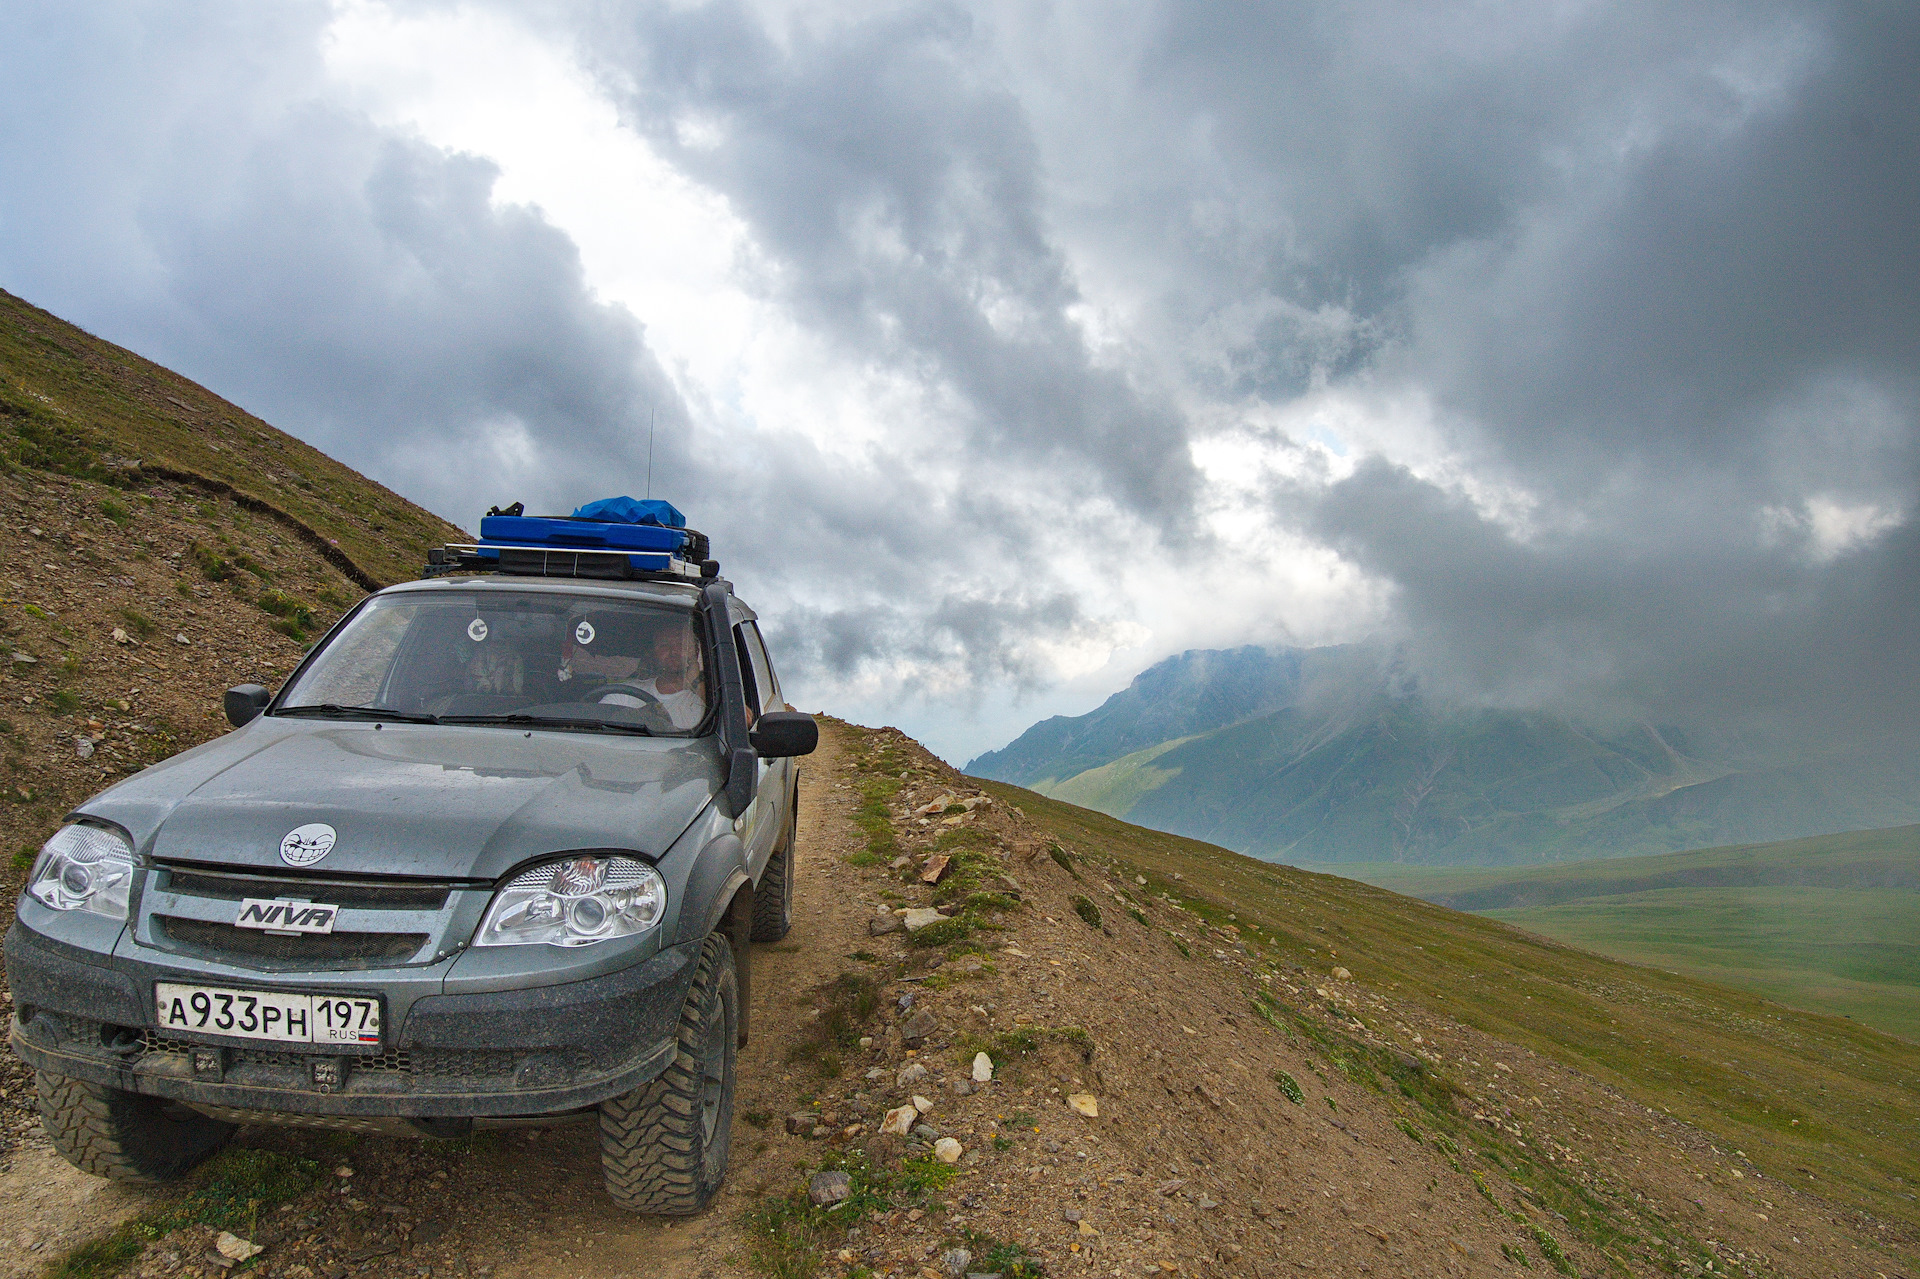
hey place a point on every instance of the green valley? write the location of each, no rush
(1830, 924)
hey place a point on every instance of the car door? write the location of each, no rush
(762, 830)
(779, 778)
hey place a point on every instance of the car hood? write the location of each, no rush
(444, 801)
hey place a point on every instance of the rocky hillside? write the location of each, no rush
(1334, 755)
(157, 546)
(160, 545)
(1199, 1064)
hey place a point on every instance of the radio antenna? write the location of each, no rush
(650, 417)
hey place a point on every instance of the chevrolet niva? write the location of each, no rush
(492, 857)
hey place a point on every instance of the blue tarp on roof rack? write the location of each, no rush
(633, 510)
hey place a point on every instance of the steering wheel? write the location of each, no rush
(633, 690)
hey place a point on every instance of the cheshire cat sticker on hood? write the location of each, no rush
(305, 845)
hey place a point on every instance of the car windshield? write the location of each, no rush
(588, 663)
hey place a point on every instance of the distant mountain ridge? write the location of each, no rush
(1333, 754)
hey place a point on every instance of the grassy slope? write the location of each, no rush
(89, 408)
(1822, 1102)
(1830, 923)
(1114, 788)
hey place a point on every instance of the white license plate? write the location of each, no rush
(268, 1014)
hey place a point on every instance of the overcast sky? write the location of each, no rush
(1005, 349)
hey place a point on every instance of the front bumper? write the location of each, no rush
(535, 1050)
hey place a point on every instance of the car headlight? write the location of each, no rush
(575, 902)
(84, 868)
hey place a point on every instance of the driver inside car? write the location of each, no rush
(636, 660)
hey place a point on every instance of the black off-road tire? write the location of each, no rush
(773, 898)
(125, 1136)
(663, 1146)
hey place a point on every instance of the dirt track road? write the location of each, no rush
(509, 1205)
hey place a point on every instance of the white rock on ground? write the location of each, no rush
(1085, 1104)
(947, 1150)
(234, 1248)
(900, 1120)
(911, 1073)
(920, 916)
(982, 1068)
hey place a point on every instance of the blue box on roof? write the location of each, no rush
(656, 546)
(586, 535)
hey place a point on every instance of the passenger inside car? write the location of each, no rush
(639, 659)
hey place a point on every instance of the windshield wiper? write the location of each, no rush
(333, 710)
(542, 721)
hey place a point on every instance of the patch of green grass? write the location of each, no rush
(758, 1118)
(845, 1005)
(1550, 1249)
(23, 859)
(943, 933)
(1413, 1134)
(1009, 1047)
(211, 565)
(992, 1256)
(230, 1192)
(183, 589)
(333, 598)
(1087, 911)
(924, 1176)
(65, 701)
(98, 1258)
(1289, 1088)
(139, 623)
(1139, 916)
(1180, 946)
(119, 514)
(864, 857)
(1063, 859)
(34, 610)
(789, 1237)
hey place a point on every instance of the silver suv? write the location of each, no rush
(493, 856)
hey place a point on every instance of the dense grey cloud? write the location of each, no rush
(349, 281)
(1608, 315)
(895, 179)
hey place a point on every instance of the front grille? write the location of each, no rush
(394, 1060)
(336, 950)
(450, 1063)
(352, 894)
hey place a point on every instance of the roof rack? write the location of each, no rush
(562, 546)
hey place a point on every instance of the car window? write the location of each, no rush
(509, 656)
(762, 669)
(354, 677)
(747, 674)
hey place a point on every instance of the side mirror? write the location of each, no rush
(244, 702)
(780, 734)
